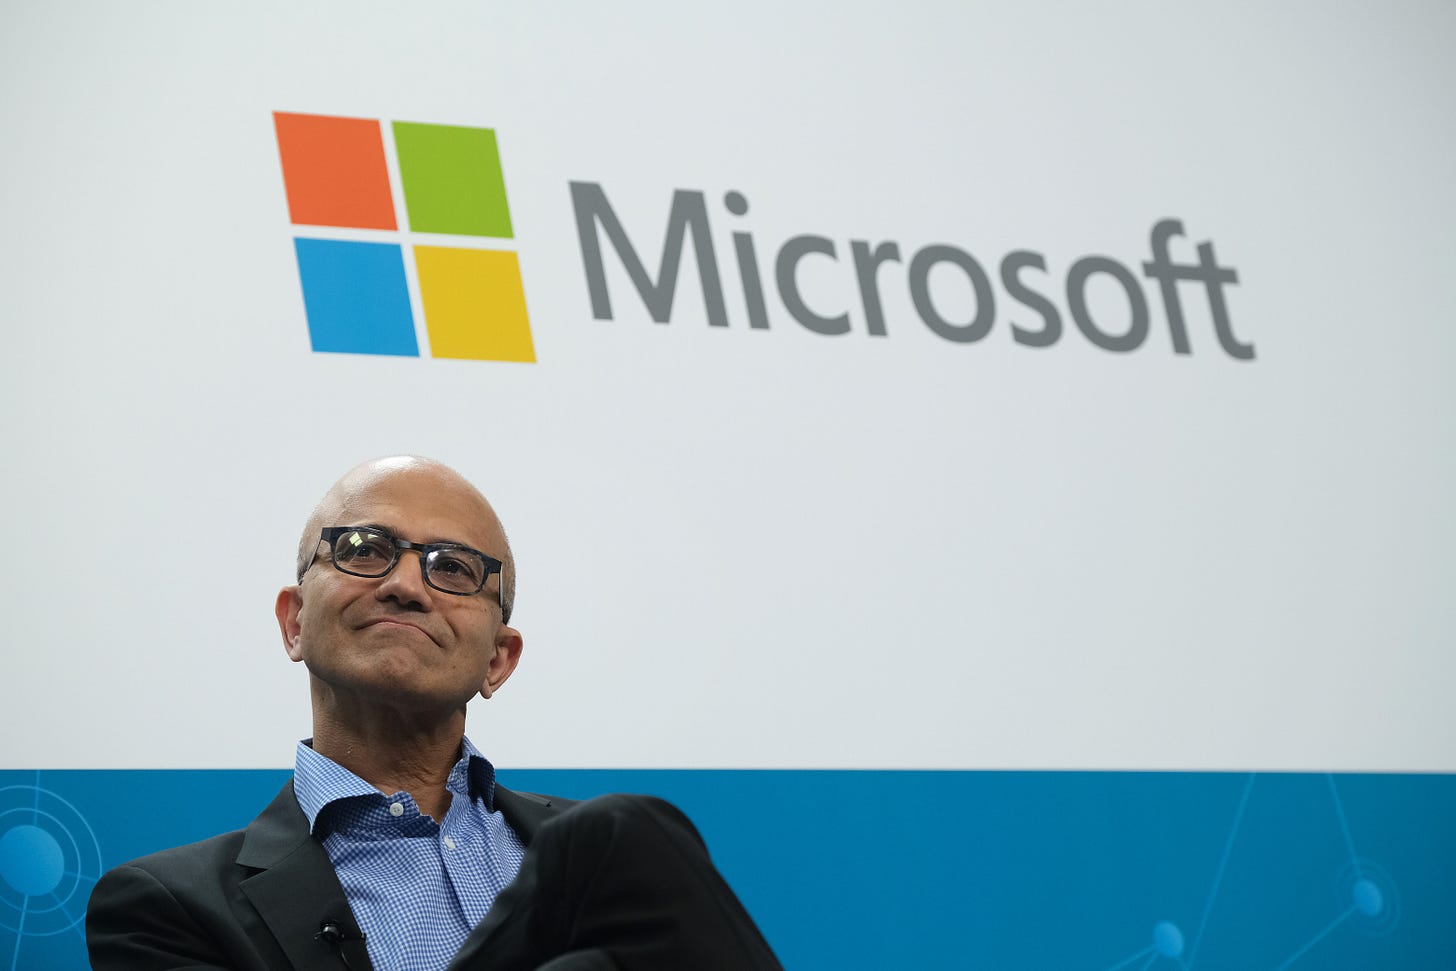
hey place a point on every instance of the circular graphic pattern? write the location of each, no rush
(1167, 939)
(1371, 896)
(49, 859)
(31, 860)
(1368, 898)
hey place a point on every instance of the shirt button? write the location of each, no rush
(396, 810)
(449, 843)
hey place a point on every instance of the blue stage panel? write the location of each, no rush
(879, 869)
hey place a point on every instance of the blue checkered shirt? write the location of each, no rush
(416, 888)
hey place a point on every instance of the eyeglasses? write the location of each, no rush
(448, 567)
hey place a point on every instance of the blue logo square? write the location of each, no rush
(356, 297)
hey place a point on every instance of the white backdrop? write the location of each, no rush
(761, 548)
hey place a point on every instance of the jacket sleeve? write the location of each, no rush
(134, 923)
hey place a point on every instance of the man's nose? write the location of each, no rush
(405, 584)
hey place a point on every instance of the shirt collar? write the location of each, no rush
(319, 781)
(478, 772)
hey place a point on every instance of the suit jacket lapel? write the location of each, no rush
(296, 890)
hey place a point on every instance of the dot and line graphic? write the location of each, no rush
(49, 860)
(1364, 895)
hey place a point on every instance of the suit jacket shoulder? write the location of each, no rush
(255, 899)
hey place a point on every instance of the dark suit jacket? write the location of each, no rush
(251, 900)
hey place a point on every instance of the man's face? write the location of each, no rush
(394, 640)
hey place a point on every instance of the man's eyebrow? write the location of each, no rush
(376, 527)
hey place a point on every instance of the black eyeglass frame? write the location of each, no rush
(331, 534)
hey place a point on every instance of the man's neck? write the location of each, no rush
(414, 757)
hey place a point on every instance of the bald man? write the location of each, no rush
(392, 842)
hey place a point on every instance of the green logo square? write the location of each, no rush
(452, 180)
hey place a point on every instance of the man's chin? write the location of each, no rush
(397, 683)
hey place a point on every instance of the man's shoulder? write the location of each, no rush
(209, 861)
(539, 798)
(204, 856)
(527, 812)
(190, 905)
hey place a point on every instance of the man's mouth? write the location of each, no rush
(395, 622)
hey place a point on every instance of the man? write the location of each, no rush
(393, 841)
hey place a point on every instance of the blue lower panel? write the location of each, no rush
(874, 870)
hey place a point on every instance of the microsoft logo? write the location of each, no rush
(363, 276)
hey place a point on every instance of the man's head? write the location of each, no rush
(328, 508)
(396, 640)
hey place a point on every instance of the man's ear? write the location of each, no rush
(508, 645)
(286, 608)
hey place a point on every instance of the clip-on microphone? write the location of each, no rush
(334, 934)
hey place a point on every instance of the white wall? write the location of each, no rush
(762, 548)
